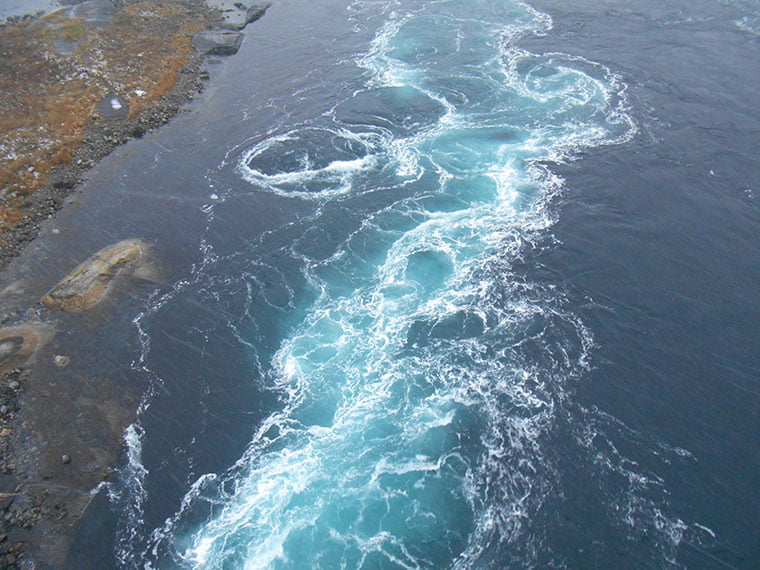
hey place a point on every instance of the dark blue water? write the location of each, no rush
(451, 284)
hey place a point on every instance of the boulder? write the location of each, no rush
(241, 15)
(217, 42)
(256, 11)
(84, 287)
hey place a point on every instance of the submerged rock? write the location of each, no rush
(84, 287)
(222, 42)
(19, 343)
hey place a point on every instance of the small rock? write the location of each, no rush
(61, 361)
(5, 432)
(4, 409)
(13, 385)
(66, 459)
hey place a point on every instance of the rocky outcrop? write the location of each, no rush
(240, 15)
(235, 16)
(218, 42)
(84, 287)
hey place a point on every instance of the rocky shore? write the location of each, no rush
(76, 84)
(80, 81)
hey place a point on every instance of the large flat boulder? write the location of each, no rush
(84, 287)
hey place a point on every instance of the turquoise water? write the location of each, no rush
(412, 409)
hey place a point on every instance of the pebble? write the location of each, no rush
(13, 385)
(3, 409)
(66, 459)
(61, 361)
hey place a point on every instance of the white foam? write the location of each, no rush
(130, 493)
(332, 179)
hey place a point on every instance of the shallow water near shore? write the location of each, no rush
(447, 284)
(11, 8)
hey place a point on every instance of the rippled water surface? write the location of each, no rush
(455, 284)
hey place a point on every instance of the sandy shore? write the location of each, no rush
(76, 84)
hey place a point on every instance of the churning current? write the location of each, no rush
(420, 378)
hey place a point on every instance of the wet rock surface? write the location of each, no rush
(84, 287)
(36, 499)
(218, 42)
(237, 15)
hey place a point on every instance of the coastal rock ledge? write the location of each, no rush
(89, 283)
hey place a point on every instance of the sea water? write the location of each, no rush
(417, 385)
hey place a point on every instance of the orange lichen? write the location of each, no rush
(10, 213)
